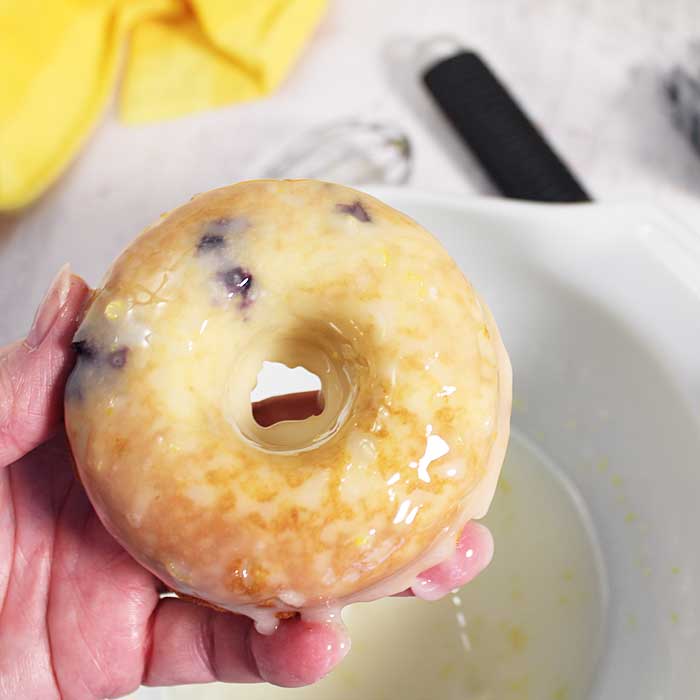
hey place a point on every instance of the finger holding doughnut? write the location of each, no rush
(195, 644)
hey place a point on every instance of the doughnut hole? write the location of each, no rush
(301, 398)
(323, 350)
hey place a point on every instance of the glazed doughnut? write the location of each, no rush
(304, 515)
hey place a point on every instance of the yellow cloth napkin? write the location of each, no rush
(60, 59)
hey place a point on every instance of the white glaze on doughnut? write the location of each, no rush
(304, 516)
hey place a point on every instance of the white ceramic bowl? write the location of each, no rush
(600, 311)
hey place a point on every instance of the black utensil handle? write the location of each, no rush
(508, 145)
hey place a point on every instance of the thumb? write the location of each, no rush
(33, 371)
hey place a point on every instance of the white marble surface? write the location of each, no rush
(586, 70)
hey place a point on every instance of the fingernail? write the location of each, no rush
(299, 652)
(426, 588)
(342, 645)
(54, 300)
(472, 555)
(335, 649)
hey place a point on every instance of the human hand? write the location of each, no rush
(79, 618)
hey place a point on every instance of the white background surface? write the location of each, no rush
(586, 70)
